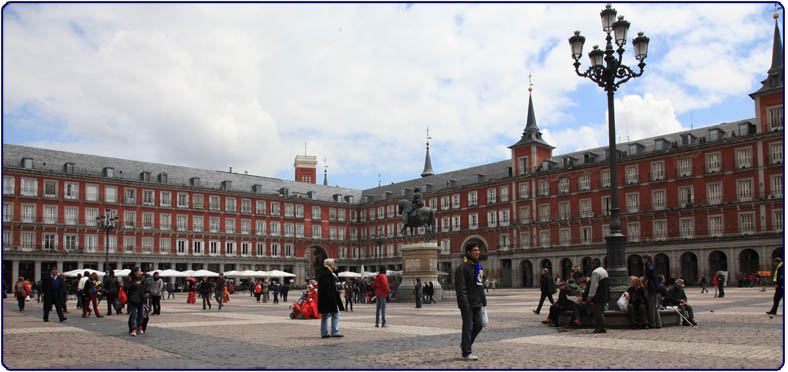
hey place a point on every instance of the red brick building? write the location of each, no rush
(702, 200)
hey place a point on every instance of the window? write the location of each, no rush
(130, 196)
(71, 215)
(8, 212)
(147, 244)
(585, 208)
(544, 213)
(433, 204)
(504, 194)
(183, 200)
(544, 238)
(110, 194)
(744, 189)
(657, 170)
(444, 205)
(259, 207)
(491, 195)
(198, 201)
(147, 220)
(164, 245)
(544, 187)
(181, 245)
(585, 235)
(130, 219)
(182, 222)
(445, 224)
(687, 227)
(564, 236)
(215, 202)
(473, 221)
(260, 227)
(390, 210)
(28, 240)
(605, 231)
(289, 251)
(714, 193)
(91, 243)
(230, 205)
(246, 206)
(563, 210)
(260, 249)
(777, 185)
(30, 187)
(503, 217)
(129, 244)
(28, 213)
(229, 248)
(747, 223)
(774, 117)
(660, 229)
(523, 190)
(633, 202)
(455, 223)
(473, 199)
(744, 158)
(315, 213)
(332, 214)
(455, 201)
(8, 185)
(684, 167)
(525, 239)
(289, 210)
(685, 196)
(317, 232)
(299, 230)
(246, 226)
(584, 182)
(165, 221)
(50, 189)
(633, 231)
(522, 163)
(604, 178)
(299, 212)
(274, 208)
(213, 247)
(197, 223)
(148, 197)
(503, 242)
(274, 249)
(69, 242)
(381, 212)
(658, 200)
(777, 220)
(165, 199)
(716, 225)
(492, 219)
(49, 242)
(605, 203)
(776, 153)
(525, 215)
(50, 214)
(246, 248)
(563, 185)
(229, 225)
(91, 192)
(713, 163)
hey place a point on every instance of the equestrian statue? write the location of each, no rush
(415, 214)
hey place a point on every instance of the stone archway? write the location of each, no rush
(778, 252)
(314, 257)
(689, 267)
(662, 264)
(718, 261)
(477, 240)
(635, 265)
(749, 261)
(527, 272)
(566, 268)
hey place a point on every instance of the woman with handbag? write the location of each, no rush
(91, 295)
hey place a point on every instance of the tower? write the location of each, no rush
(427, 163)
(305, 168)
(769, 99)
(531, 150)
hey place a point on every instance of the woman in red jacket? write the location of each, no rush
(381, 287)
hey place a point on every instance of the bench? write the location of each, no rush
(617, 319)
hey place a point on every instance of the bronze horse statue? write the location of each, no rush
(424, 216)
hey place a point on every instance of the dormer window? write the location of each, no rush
(68, 168)
(227, 185)
(284, 191)
(569, 162)
(109, 172)
(194, 181)
(661, 144)
(688, 139)
(162, 177)
(635, 148)
(145, 176)
(27, 163)
(589, 157)
(257, 188)
(714, 134)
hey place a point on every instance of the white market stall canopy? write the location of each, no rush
(205, 273)
(279, 274)
(348, 274)
(74, 273)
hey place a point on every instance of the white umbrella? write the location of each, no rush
(188, 273)
(205, 273)
(73, 273)
(280, 274)
(123, 272)
(248, 273)
(394, 273)
(233, 273)
(348, 274)
(261, 273)
(367, 274)
(169, 273)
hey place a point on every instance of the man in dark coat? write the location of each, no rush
(50, 288)
(329, 303)
(112, 287)
(470, 298)
(598, 295)
(547, 288)
(777, 278)
(652, 289)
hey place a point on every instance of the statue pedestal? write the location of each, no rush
(419, 260)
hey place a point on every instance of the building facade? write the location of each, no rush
(699, 201)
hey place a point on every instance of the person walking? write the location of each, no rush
(715, 282)
(64, 292)
(417, 291)
(703, 283)
(382, 290)
(170, 290)
(156, 288)
(285, 289)
(91, 296)
(258, 290)
(328, 302)
(81, 289)
(547, 288)
(221, 283)
(80, 285)
(652, 289)
(21, 291)
(598, 295)
(720, 284)
(112, 287)
(50, 289)
(777, 279)
(205, 293)
(431, 292)
(276, 290)
(469, 288)
(135, 294)
(348, 296)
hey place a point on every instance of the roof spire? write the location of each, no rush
(531, 132)
(775, 79)
(427, 163)
(325, 171)
(777, 47)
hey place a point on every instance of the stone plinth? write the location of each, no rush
(419, 260)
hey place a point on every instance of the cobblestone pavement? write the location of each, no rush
(734, 333)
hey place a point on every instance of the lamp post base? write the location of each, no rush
(618, 278)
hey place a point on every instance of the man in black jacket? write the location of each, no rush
(777, 278)
(547, 287)
(470, 298)
(676, 296)
(328, 302)
(50, 288)
(598, 295)
(652, 288)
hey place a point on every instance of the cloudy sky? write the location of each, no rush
(246, 85)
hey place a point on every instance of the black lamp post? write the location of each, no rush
(106, 224)
(607, 71)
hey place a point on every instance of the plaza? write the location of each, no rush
(734, 333)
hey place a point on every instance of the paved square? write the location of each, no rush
(734, 333)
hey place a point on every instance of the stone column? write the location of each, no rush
(37, 270)
(419, 260)
(517, 280)
(79, 264)
(15, 271)
(59, 266)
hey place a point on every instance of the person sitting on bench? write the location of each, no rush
(677, 297)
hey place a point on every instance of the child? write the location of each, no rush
(146, 316)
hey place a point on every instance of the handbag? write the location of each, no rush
(122, 296)
(485, 319)
(623, 302)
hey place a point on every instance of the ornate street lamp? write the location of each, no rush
(607, 71)
(106, 224)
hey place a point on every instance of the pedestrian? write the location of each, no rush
(21, 291)
(258, 290)
(64, 292)
(170, 290)
(431, 292)
(676, 296)
(328, 302)
(492, 284)
(417, 291)
(285, 289)
(112, 287)
(276, 290)
(156, 288)
(547, 288)
(576, 274)
(469, 288)
(82, 278)
(777, 279)
(703, 283)
(91, 296)
(348, 296)
(598, 295)
(205, 293)
(221, 284)
(720, 284)
(192, 288)
(50, 289)
(381, 286)
(266, 289)
(715, 282)
(135, 299)
(652, 289)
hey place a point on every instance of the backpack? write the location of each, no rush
(258, 289)
(20, 289)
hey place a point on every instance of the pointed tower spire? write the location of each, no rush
(775, 79)
(325, 172)
(427, 163)
(531, 132)
(777, 47)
